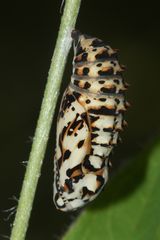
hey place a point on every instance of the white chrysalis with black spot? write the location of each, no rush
(89, 122)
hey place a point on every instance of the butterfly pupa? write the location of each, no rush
(89, 122)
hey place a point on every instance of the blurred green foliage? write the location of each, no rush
(129, 208)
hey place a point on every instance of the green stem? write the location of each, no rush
(33, 170)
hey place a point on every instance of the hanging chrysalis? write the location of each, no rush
(89, 121)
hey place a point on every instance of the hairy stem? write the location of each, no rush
(33, 169)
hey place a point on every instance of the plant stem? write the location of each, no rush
(33, 169)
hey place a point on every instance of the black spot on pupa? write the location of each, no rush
(76, 82)
(70, 131)
(70, 171)
(104, 145)
(101, 82)
(85, 200)
(76, 95)
(81, 58)
(107, 129)
(103, 111)
(87, 85)
(77, 178)
(94, 135)
(69, 184)
(81, 125)
(67, 101)
(94, 143)
(83, 115)
(99, 65)
(113, 63)
(66, 155)
(117, 100)
(94, 129)
(108, 90)
(106, 73)
(102, 99)
(75, 124)
(85, 118)
(101, 180)
(63, 132)
(80, 144)
(85, 71)
(91, 151)
(94, 49)
(88, 101)
(71, 199)
(87, 164)
(116, 81)
(93, 118)
(87, 192)
(84, 56)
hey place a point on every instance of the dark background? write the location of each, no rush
(28, 34)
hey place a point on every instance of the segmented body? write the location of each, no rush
(89, 122)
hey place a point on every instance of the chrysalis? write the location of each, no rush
(89, 121)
